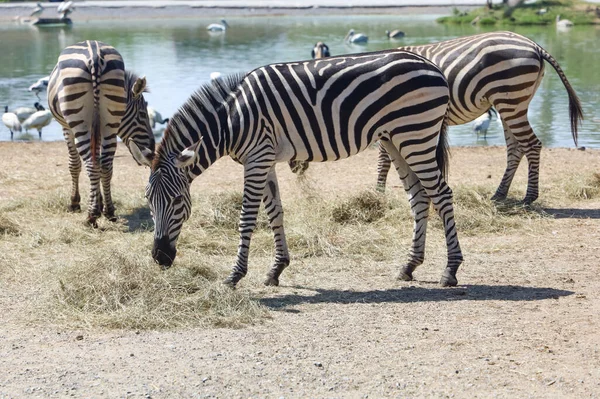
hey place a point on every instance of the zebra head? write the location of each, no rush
(135, 124)
(168, 195)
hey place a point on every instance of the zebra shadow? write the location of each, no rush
(138, 220)
(572, 213)
(516, 207)
(415, 294)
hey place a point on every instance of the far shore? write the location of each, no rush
(121, 10)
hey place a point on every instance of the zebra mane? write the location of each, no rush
(130, 78)
(211, 95)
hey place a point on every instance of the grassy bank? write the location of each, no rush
(539, 13)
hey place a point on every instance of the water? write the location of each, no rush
(177, 56)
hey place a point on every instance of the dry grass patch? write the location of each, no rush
(364, 207)
(124, 290)
(583, 187)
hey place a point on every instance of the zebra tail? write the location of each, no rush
(442, 152)
(575, 111)
(95, 134)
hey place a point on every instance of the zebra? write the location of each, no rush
(94, 99)
(315, 110)
(320, 50)
(501, 70)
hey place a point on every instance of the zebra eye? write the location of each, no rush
(178, 200)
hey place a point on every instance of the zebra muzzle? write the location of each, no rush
(162, 253)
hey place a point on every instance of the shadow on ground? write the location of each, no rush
(416, 294)
(139, 219)
(573, 213)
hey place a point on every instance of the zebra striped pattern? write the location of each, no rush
(503, 70)
(317, 110)
(88, 94)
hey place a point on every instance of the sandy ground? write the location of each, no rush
(522, 323)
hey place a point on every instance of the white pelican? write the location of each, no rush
(64, 9)
(38, 120)
(320, 50)
(481, 124)
(395, 34)
(357, 38)
(37, 11)
(40, 86)
(25, 112)
(563, 23)
(11, 121)
(155, 117)
(222, 27)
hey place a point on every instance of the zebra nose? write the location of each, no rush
(163, 253)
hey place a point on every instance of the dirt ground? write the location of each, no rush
(523, 322)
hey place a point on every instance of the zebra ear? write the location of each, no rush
(139, 86)
(188, 156)
(142, 156)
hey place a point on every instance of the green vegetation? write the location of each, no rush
(538, 13)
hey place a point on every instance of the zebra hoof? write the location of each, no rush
(91, 222)
(405, 275)
(271, 282)
(448, 279)
(498, 197)
(111, 217)
(528, 200)
(74, 208)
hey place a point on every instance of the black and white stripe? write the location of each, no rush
(501, 70)
(95, 100)
(317, 110)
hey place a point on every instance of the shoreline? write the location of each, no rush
(157, 9)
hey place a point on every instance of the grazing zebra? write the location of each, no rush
(316, 110)
(92, 96)
(501, 70)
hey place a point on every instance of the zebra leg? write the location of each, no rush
(272, 202)
(441, 196)
(75, 170)
(383, 167)
(107, 155)
(513, 159)
(419, 205)
(94, 173)
(256, 170)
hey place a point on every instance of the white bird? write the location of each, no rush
(222, 27)
(356, 38)
(11, 121)
(40, 86)
(25, 112)
(541, 11)
(481, 124)
(215, 75)
(37, 11)
(38, 120)
(563, 23)
(155, 117)
(395, 34)
(64, 9)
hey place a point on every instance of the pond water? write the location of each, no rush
(177, 56)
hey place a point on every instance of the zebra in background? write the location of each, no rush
(320, 50)
(316, 110)
(94, 99)
(501, 70)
